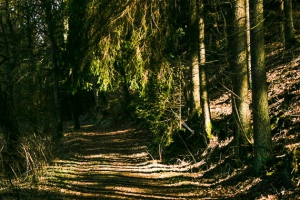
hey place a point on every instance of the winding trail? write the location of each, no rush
(115, 164)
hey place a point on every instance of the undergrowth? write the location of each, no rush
(34, 153)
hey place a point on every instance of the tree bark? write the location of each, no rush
(194, 49)
(240, 98)
(261, 121)
(248, 44)
(203, 80)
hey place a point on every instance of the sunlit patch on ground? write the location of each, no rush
(221, 107)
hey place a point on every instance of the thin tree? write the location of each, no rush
(202, 71)
(248, 43)
(261, 121)
(194, 49)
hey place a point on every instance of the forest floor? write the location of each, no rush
(115, 164)
(101, 162)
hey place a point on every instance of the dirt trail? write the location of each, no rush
(115, 164)
(97, 163)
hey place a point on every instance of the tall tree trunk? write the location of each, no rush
(47, 5)
(240, 103)
(261, 121)
(194, 49)
(289, 31)
(202, 67)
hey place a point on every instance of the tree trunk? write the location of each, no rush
(203, 81)
(289, 31)
(248, 44)
(240, 99)
(261, 121)
(194, 41)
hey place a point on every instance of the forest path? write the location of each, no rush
(115, 164)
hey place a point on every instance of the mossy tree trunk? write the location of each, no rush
(261, 121)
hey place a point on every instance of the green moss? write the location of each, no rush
(209, 131)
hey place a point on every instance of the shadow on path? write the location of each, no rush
(112, 164)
